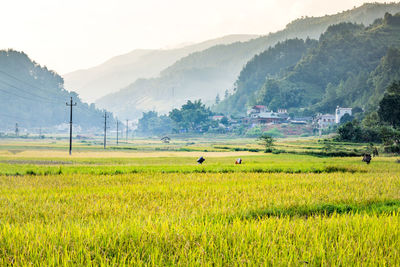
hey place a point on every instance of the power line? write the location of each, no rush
(82, 108)
(10, 116)
(41, 89)
(10, 93)
(30, 93)
(22, 81)
(42, 99)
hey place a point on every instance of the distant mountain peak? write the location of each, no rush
(122, 70)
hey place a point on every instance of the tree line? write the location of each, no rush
(381, 125)
(192, 117)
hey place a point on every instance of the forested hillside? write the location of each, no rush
(268, 64)
(350, 66)
(212, 71)
(33, 96)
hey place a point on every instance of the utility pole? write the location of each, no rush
(117, 131)
(16, 130)
(70, 125)
(127, 121)
(105, 129)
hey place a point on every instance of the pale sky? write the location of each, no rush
(66, 35)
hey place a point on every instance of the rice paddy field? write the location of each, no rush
(147, 203)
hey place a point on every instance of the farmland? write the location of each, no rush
(147, 203)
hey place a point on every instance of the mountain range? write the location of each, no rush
(312, 65)
(206, 73)
(120, 71)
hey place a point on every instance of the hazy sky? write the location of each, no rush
(66, 35)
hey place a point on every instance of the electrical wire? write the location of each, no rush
(29, 93)
(82, 107)
(10, 116)
(22, 81)
(10, 93)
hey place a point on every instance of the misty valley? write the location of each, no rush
(246, 149)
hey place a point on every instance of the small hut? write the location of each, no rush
(166, 140)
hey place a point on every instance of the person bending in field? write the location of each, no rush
(201, 160)
(367, 158)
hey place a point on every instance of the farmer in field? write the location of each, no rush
(200, 160)
(367, 158)
(375, 153)
(373, 149)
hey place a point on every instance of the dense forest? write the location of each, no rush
(350, 65)
(33, 96)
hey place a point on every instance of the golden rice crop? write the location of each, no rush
(201, 219)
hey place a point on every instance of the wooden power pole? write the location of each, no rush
(70, 125)
(105, 129)
(127, 121)
(117, 131)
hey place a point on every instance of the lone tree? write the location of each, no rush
(267, 141)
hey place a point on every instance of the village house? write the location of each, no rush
(256, 110)
(259, 114)
(340, 112)
(324, 121)
(301, 120)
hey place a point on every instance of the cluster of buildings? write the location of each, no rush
(260, 115)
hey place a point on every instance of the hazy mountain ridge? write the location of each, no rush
(364, 14)
(204, 74)
(122, 70)
(33, 96)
